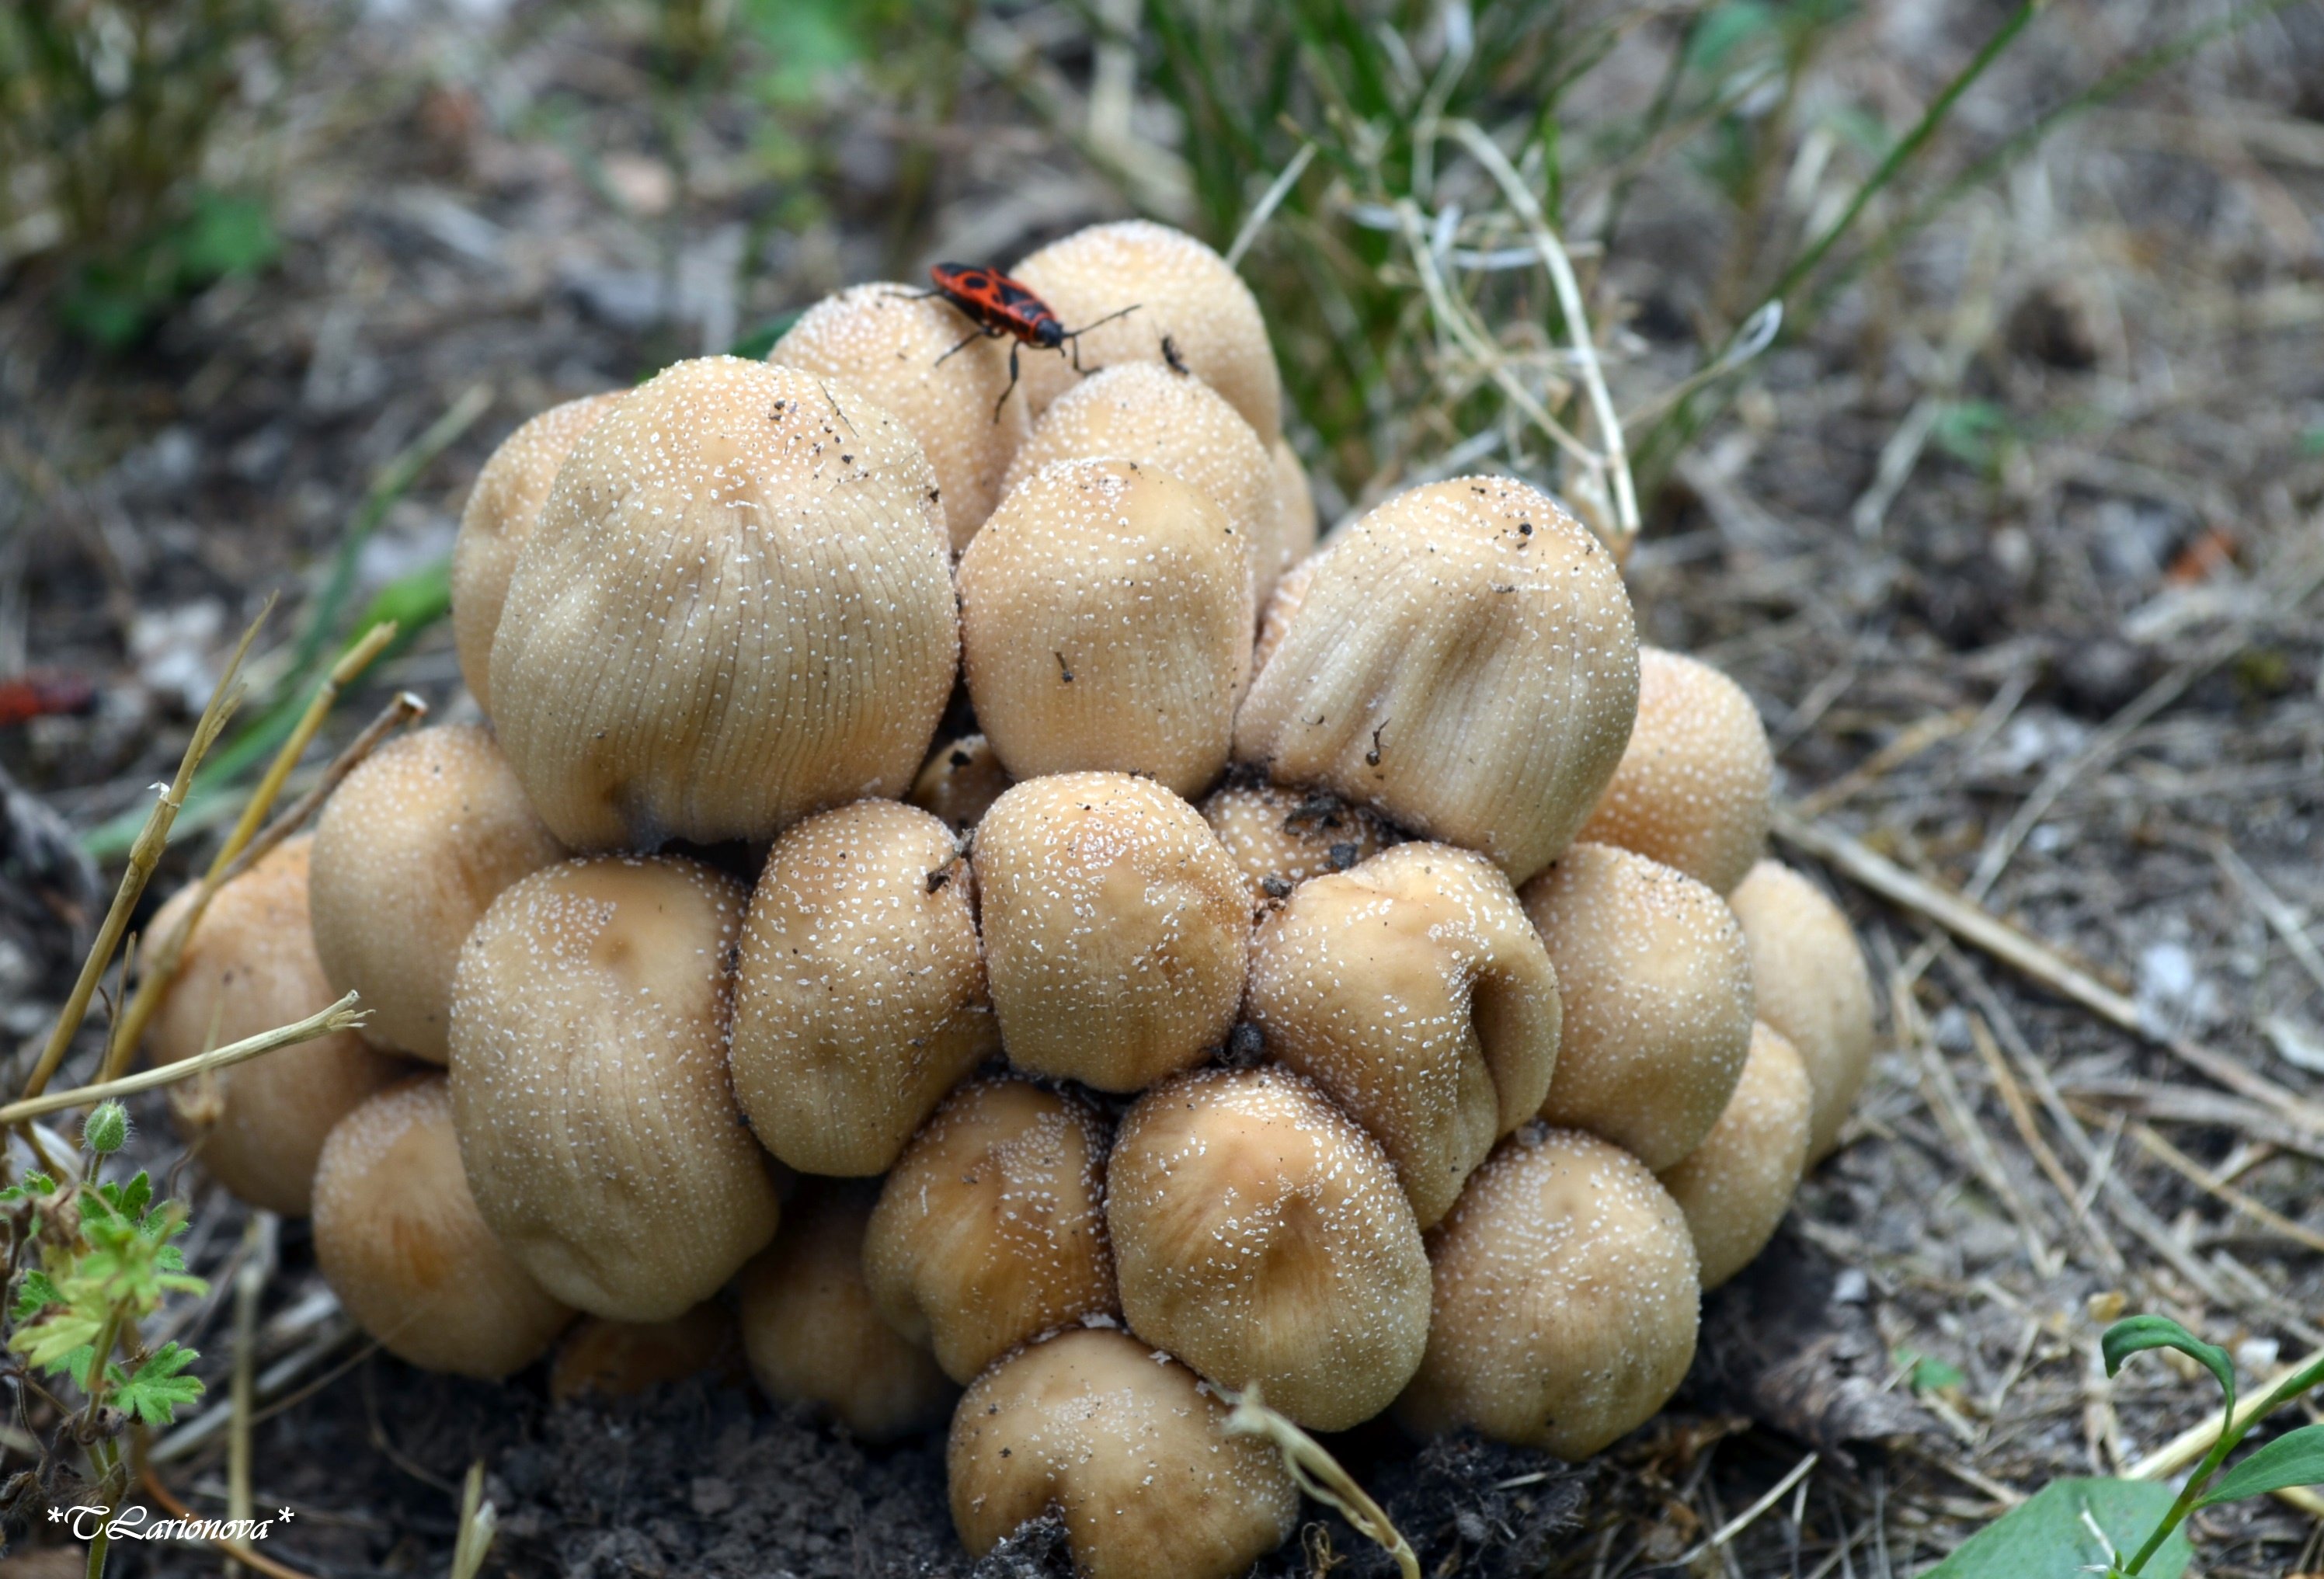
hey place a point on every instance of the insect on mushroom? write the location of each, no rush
(998, 306)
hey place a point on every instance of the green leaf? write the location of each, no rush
(134, 1194)
(223, 235)
(2134, 1334)
(157, 1389)
(2311, 443)
(761, 340)
(2046, 1537)
(2296, 1459)
(36, 1294)
(35, 1183)
(414, 602)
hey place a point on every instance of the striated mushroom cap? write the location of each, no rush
(1183, 291)
(1657, 985)
(1693, 788)
(401, 1242)
(1566, 1299)
(1736, 1187)
(1461, 659)
(991, 1229)
(1294, 520)
(620, 1358)
(859, 995)
(501, 511)
(812, 1336)
(409, 851)
(1259, 1235)
(895, 345)
(249, 966)
(960, 781)
(1129, 1448)
(1117, 929)
(589, 1022)
(737, 609)
(1413, 989)
(1105, 624)
(1281, 837)
(1812, 986)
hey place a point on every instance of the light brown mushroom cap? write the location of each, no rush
(248, 967)
(812, 1336)
(1693, 790)
(589, 1023)
(1566, 1299)
(1173, 423)
(895, 345)
(1812, 986)
(1183, 291)
(1259, 1235)
(620, 1358)
(1413, 989)
(1117, 929)
(991, 1229)
(1657, 985)
(1463, 657)
(409, 851)
(1295, 520)
(1286, 836)
(401, 1242)
(960, 781)
(859, 995)
(1129, 1448)
(1736, 1187)
(737, 609)
(501, 510)
(1105, 617)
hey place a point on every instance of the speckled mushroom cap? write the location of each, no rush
(1283, 836)
(1105, 624)
(812, 1336)
(960, 781)
(1657, 985)
(1736, 1187)
(401, 1242)
(1295, 520)
(991, 1229)
(1173, 423)
(248, 967)
(501, 511)
(737, 609)
(409, 851)
(1692, 790)
(1812, 986)
(1413, 990)
(890, 342)
(1566, 1299)
(1116, 929)
(1259, 1235)
(1184, 292)
(1463, 660)
(1129, 1448)
(589, 1090)
(858, 996)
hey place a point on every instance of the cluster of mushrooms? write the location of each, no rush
(1181, 959)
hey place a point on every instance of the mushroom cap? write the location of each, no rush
(400, 1241)
(620, 1358)
(960, 781)
(1183, 291)
(589, 1090)
(1413, 989)
(1129, 1448)
(991, 1229)
(1566, 1298)
(1259, 1235)
(737, 608)
(1105, 618)
(501, 510)
(1657, 985)
(409, 851)
(1295, 520)
(1117, 929)
(896, 344)
(859, 995)
(1463, 659)
(1695, 786)
(1812, 986)
(812, 1336)
(1172, 423)
(1736, 1187)
(1287, 836)
(248, 967)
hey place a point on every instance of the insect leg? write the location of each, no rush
(1013, 385)
(979, 334)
